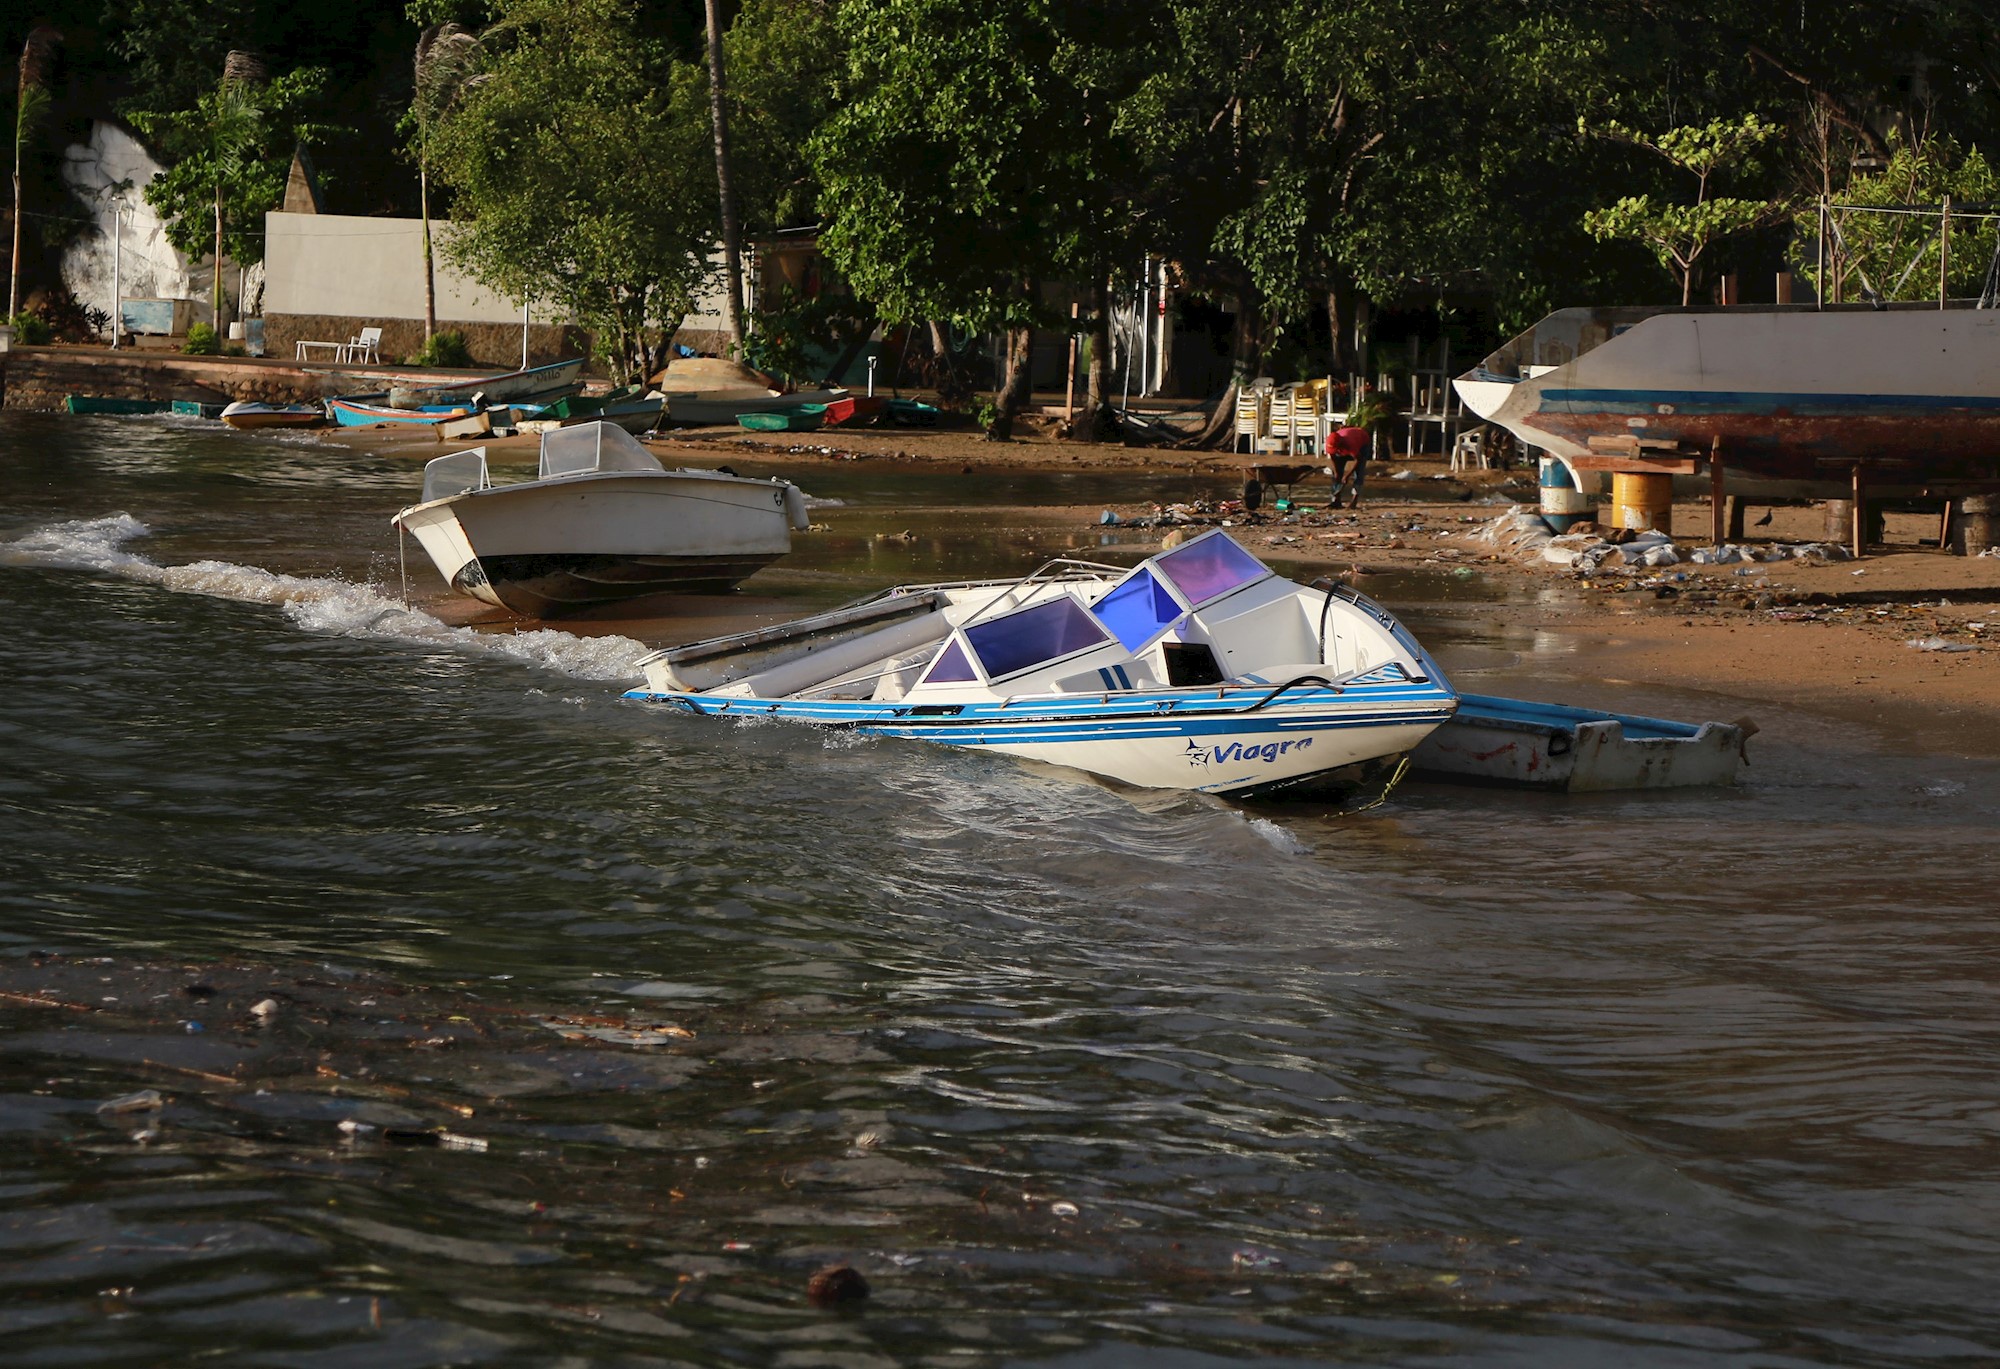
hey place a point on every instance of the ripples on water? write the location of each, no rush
(1472, 1078)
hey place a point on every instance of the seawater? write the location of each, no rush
(1072, 1074)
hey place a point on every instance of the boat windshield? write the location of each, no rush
(1209, 567)
(1034, 636)
(591, 447)
(1138, 609)
(446, 476)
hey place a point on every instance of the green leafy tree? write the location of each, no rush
(963, 170)
(1897, 255)
(578, 163)
(31, 106)
(1679, 233)
(230, 154)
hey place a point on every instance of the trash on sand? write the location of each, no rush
(266, 1010)
(835, 1284)
(145, 1100)
(1939, 644)
(1107, 519)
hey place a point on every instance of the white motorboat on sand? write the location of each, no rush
(1198, 669)
(603, 521)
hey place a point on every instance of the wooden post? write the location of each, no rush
(1944, 527)
(1069, 397)
(1860, 510)
(1819, 281)
(1718, 519)
(1944, 251)
(1738, 506)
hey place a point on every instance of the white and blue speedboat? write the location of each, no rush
(1200, 668)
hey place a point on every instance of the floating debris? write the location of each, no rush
(836, 1284)
(145, 1100)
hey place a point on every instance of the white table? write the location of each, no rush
(339, 349)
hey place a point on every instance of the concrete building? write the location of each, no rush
(328, 276)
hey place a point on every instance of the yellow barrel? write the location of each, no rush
(1642, 501)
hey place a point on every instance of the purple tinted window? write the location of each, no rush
(1210, 568)
(951, 667)
(1025, 639)
(1137, 610)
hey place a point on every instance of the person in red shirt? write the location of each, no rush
(1342, 446)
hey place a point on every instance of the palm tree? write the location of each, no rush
(38, 57)
(445, 57)
(235, 130)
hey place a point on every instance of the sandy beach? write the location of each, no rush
(1834, 637)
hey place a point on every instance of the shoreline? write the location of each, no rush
(1829, 637)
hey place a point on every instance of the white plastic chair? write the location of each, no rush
(367, 347)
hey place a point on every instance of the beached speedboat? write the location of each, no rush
(603, 521)
(250, 413)
(1198, 669)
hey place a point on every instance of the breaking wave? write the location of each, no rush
(324, 606)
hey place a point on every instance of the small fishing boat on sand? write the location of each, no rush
(359, 412)
(729, 406)
(1198, 669)
(250, 413)
(602, 521)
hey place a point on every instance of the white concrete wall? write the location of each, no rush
(347, 266)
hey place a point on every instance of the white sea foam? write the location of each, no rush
(1279, 838)
(321, 605)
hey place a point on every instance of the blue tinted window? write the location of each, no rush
(1025, 639)
(1210, 568)
(1137, 610)
(951, 667)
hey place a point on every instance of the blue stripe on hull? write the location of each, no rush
(1765, 403)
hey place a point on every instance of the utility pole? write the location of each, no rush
(732, 241)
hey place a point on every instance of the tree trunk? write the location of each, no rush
(1341, 321)
(14, 276)
(430, 273)
(1096, 423)
(215, 290)
(1013, 396)
(732, 240)
(1250, 332)
(952, 386)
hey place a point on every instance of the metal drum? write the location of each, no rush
(1642, 502)
(1562, 502)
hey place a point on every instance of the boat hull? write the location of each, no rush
(1519, 744)
(706, 409)
(1214, 740)
(553, 547)
(351, 414)
(262, 416)
(1792, 399)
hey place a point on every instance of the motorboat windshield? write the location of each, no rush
(590, 448)
(445, 476)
